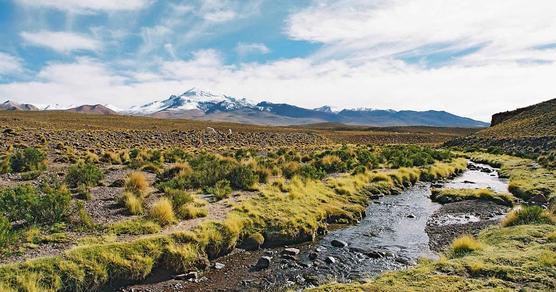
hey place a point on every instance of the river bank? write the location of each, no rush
(394, 235)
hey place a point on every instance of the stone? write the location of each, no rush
(313, 256)
(330, 260)
(411, 216)
(187, 276)
(219, 266)
(263, 262)
(291, 251)
(338, 243)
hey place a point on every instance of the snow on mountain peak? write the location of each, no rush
(193, 99)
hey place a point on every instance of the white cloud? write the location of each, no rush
(60, 41)
(9, 64)
(87, 6)
(243, 49)
(220, 16)
(382, 28)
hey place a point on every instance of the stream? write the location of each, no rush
(394, 235)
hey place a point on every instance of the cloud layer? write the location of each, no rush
(471, 58)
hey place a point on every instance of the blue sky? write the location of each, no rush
(468, 57)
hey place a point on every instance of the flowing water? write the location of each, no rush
(392, 236)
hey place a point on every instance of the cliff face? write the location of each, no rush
(504, 116)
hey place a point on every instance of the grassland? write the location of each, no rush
(282, 210)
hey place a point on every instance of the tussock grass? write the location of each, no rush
(137, 183)
(447, 195)
(189, 211)
(132, 203)
(464, 245)
(163, 212)
(528, 215)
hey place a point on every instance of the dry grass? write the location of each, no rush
(464, 245)
(137, 183)
(163, 212)
(132, 203)
(528, 215)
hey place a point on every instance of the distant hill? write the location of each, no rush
(525, 131)
(198, 104)
(93, 109)
(14, 106)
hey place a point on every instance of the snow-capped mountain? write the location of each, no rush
(204, 105)
(193, 99)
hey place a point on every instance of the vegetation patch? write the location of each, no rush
(529, 215)
(448, 195)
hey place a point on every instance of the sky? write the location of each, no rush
(471, 58)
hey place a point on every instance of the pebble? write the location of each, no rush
(291, 251)
(219, 266)
(187, 276)
(330, 260)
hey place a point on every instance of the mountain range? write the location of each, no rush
(204, 105)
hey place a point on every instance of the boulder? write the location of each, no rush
(330, 260)
(263, 262)
(338, 243)
(291, 251)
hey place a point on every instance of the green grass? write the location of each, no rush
(280, 216)
(527, 179)
(465, 244)
(448, 195)
(529, 215)
(134, 227)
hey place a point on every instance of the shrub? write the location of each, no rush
(464, 245)
(181, 169)
(136, 183)
(178, 197)
(221, 190)
(528, 215)
(16, 203)
(5, 231)
(331, 163)
(290, 169)
(132, 203)
(242, 177)
(28, 159)
(189, 211)
(263, 174)
(310, 171)
(25, 203)
(54, 205)
(83, 174)
(162, 212)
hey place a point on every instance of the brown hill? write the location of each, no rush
(93, 109)
(14, 106)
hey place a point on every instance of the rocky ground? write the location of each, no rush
(465, 217)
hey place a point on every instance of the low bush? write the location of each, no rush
(162, 212)
(178, 197)
(528, 215)
(242, 177)
(331, 163)
(290, 169)
(311, 172)
(27, 204)
(136, 183)
(5, 232)
(181, 169)
(28, 159)
(465, 244)
(221, 190)
(83, 174)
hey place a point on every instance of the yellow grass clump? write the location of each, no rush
(136, 183)
(162, 212)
